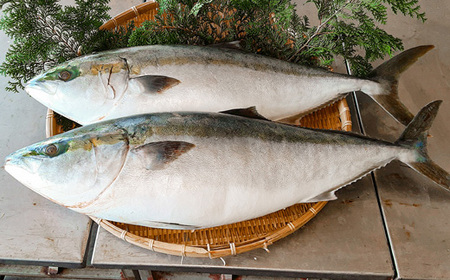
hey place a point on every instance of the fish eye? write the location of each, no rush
(64, 75)
(51, 150)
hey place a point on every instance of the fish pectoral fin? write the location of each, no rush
(249, 112)
(326, 196)
(153, 83)
(157, 155)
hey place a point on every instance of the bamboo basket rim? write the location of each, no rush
(230, 248)
(199, 252)
(130, 14)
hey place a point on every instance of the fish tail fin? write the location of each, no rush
(415, 138)
(387, 74)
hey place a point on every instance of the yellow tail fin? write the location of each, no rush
(415, 137)
(388, 74)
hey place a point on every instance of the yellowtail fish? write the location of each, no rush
(150, 79)
(197, 170)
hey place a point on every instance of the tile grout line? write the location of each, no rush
(87, 261)
(372, 176)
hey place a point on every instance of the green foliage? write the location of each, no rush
(350, 29)
(188, 22)
(103, 40)
(347, 28)
(45, 33)
(198, 6)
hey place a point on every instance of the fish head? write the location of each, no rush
(72, 169)
(83, 89)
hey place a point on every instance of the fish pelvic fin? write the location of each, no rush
(387, 74)
(415, 137)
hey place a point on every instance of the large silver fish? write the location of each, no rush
(151, 79)
(197, 170)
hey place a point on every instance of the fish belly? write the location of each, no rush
(222, 181)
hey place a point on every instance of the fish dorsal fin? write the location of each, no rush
(153, 83)
(249, 112)
(234, 45)
(157, 155)
(326, 196)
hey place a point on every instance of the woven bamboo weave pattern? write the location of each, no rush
(218, 237)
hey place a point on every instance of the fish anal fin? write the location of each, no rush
(249, 112)
(153, 83)
(326, 196)
(157, 155)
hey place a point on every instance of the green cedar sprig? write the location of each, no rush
(44, 34)
(347, 28)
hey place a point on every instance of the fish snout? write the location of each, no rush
(10, 163)
(11, 160)
(33, 82)
(36, 87)
(7, 159)
(21, 159)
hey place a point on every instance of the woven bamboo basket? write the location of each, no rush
(229, 239)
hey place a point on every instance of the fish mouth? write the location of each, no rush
(7, 162)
